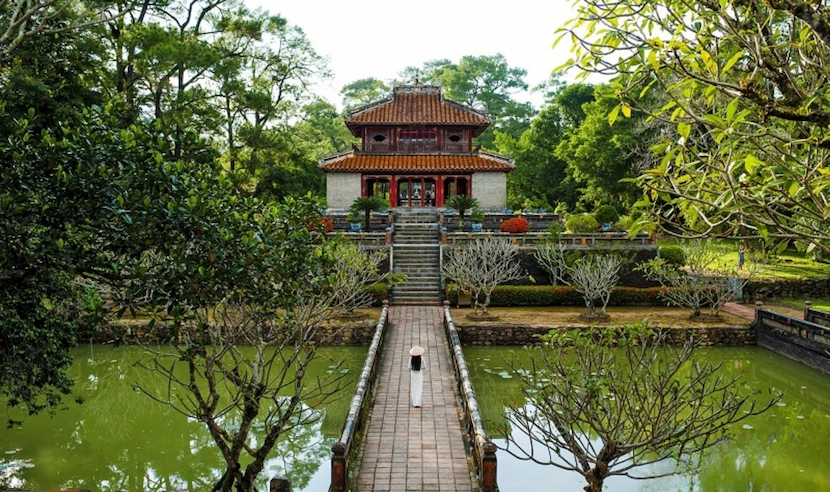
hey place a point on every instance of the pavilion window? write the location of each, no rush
(417, 140)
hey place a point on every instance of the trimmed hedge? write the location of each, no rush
(548, 295)
(673, 254)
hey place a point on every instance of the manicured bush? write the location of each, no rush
(673, 254)
(547, 295)
(515, 225)
(583, 223)
(606, 214)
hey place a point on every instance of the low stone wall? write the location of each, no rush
(762, 290)
(358, 332)
(517, 334)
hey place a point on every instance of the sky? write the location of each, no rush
(380, 38)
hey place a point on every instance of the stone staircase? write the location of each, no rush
(415, 253)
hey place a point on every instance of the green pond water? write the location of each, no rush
(785, 449)
(119, 439)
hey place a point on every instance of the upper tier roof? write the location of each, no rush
(416, 105)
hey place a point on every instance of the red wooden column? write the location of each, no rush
(439, 192)
(393, 191)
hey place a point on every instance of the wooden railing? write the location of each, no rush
(484, 451)
(342, 450)
(609, 239)
(802, 329)
(816, 316)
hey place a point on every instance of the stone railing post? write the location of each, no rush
(488, 468)
(807, 306)
(339, 473)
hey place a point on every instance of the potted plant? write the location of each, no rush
(462, 204)
(607, 215)
(476, 220)
(364, 206)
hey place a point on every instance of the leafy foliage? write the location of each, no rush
(606, 214)
(582, 223)
(736, 89)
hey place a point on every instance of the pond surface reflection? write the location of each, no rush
(119, 439)
(784, 449)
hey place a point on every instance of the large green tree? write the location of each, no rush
(739, 87)
(540, 172)
(600, 154)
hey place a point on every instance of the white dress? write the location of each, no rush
(416, 383)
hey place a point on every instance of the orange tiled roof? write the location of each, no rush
(420, 163)
(416, 105)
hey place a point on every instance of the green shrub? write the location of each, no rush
(555, 228)
(606, 214)
(547, 295)
(379, 291)
(583, 223)
(673, 254)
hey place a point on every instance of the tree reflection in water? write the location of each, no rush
(119, 439)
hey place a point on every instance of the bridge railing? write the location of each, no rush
(816, 316)
(802, 329)
(484, 451)
(342, 450)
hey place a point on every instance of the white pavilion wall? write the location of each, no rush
(490, 189)
(342, 189)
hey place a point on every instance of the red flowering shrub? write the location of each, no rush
(323, 222)
(515, 225)
(327, 223)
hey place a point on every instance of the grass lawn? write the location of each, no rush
(821, 304)
(791, 264)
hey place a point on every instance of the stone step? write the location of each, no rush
(416, 270)
(416, 260)
(420, 284)
(416, 302)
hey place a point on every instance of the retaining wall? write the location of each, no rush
(517, 334)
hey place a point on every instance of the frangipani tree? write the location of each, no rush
(611, 402)
(738, 90)
(592, 275)
(705, 282)
(480, 266)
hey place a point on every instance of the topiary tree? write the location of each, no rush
(606, 214)
(673, 254)
(365, 205)
(583, 223)
(462, 204)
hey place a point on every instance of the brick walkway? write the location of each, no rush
(406, 448)
(744, 311)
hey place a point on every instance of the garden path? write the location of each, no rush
(742, 310)
(406, 448)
